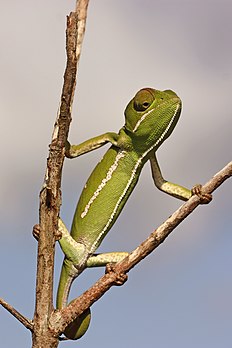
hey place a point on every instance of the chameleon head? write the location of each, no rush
(152, 115)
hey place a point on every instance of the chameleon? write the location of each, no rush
(150, 118)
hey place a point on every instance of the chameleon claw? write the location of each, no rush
(121, 277)
(36, 231)
(204, 197)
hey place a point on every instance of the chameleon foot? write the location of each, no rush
(36, 231)
(204, 197)
(121, 277)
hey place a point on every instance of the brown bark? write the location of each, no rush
(50, 196)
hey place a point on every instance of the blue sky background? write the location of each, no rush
(181, 295)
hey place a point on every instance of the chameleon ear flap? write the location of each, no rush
(168, 91)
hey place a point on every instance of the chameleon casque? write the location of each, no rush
(150, 118)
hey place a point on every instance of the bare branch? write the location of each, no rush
(50, 196)
(26, 322)
(60, 319)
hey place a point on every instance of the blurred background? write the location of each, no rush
(180, 296)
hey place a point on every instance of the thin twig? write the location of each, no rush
(26, 322)
(61, 318)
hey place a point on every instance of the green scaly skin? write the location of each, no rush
(150, 118)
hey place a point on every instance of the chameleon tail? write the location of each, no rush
(80, 325)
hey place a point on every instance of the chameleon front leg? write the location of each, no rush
(72, 151)
(175, 190)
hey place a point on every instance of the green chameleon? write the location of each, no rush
(150, 118)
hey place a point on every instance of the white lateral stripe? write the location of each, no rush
(112, 168)
(93, 248)
(117, 204)
(142, 118)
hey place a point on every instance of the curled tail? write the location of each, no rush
(80, 325)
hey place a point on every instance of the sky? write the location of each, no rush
(180, 296)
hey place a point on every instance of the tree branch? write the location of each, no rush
(50, 196)
(61, 318)
(26, 322)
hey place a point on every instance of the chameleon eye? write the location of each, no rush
(143, 99)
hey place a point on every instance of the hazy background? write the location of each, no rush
(181, 295)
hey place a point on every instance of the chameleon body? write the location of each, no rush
(150, 118)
